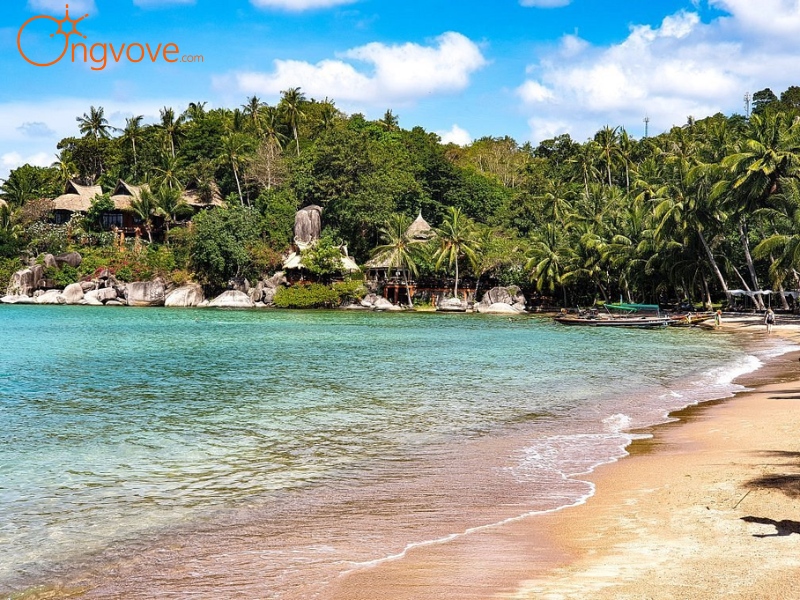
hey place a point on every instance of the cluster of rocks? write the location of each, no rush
(501, 301)
(373, 302)
(29, 286)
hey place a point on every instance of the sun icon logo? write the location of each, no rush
(73, 30)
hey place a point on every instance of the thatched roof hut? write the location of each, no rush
(194, 196)
(125, 192)
(76, 197)
(420, 229)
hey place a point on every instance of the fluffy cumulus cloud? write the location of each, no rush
(36, 129)
(683, 67)
(299, 5)
(393, 75)
(456, 135)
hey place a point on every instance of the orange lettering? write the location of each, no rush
(114, 54)
(153, 57)
(175, 51)
(141, 56)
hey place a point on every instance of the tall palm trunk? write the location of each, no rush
(750, 265)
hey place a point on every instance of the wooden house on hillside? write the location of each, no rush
(200, 197)
(76, 198)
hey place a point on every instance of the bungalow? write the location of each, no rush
(76, 198)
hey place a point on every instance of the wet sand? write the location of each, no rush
(709, 507)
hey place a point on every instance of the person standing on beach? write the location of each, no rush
(769, 320)
(717, 319)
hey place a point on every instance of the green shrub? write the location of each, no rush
(62, 277)
(314, 295)
(8, 266)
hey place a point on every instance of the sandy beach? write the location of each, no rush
(708, 507)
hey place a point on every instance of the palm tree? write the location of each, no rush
(290, 105)
(171, 126)
(131, 133)
(145, 207)
(167, 173)
(457, 238)
(170, 204)
(195, 111)
(234, 150)
(94, 124)
(549, 259)
(253, 111)
(607, 140)
(66, 169)
(398, 250)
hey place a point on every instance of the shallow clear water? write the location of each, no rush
(302, 444)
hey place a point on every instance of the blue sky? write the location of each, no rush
(465, 69)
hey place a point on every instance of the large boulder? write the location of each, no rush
(73, 293)
(73, 259)
(17, 299)
(511, 296)
(190, 294)
(145, 293)
(277, 280)
(383, 304)
(50, 261)
(307, 225)
(451, 305)
(25, 281)
(497, 308)
(102, 296)
(51, 297)
(232, 299)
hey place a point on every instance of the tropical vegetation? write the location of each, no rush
(707, 207)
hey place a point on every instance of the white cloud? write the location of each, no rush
(680, 68)
(56, 7)
(299, 5)
(456, 135)
(36, 129)
(545, 3)
(397, 74)
(11, 160)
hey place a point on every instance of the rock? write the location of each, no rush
(91, 301)
(384, 304)
(50, 261)
(102, 295)
(145, 293)
(204, 304)
(268, 296)
(498, 308)
(231, 299)
(519, 306)
(73, 293)
(354, 306)
(369, 300)
(17, 299)
(451, 305)
(115, 303)
(88, 286)
(51, 297)
(276, 280)
(73, 259)
(187, 295)
(104, 274)
(257, 292)
(307, 225)
(25, 281)
(511, 295)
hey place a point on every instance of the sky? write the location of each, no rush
(465, 69)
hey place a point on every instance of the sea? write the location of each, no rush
(203, 453)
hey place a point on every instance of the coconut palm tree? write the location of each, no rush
(170, 204)
(234, 150)
(457, 238)
(171, 127)
(145, 208)
(131, 133)
(398, 250)
(290, 106)
(94, 124)
(253, 111)
(549, 259)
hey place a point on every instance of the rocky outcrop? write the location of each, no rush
(101, 295)
(145, 293)
(232, 299)
(451, 305)
(307, 225)
(187, 295)
(264, 291)
(25, 281)
(17, 299)
(51, 297)
(73, 293)
(502, 300)
(73, 259)
(375, 302)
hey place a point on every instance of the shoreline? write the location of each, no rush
(666, 521)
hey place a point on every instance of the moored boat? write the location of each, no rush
(636, 322)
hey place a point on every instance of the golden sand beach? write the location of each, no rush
(708, 507)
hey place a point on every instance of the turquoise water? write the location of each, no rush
(326, 439)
